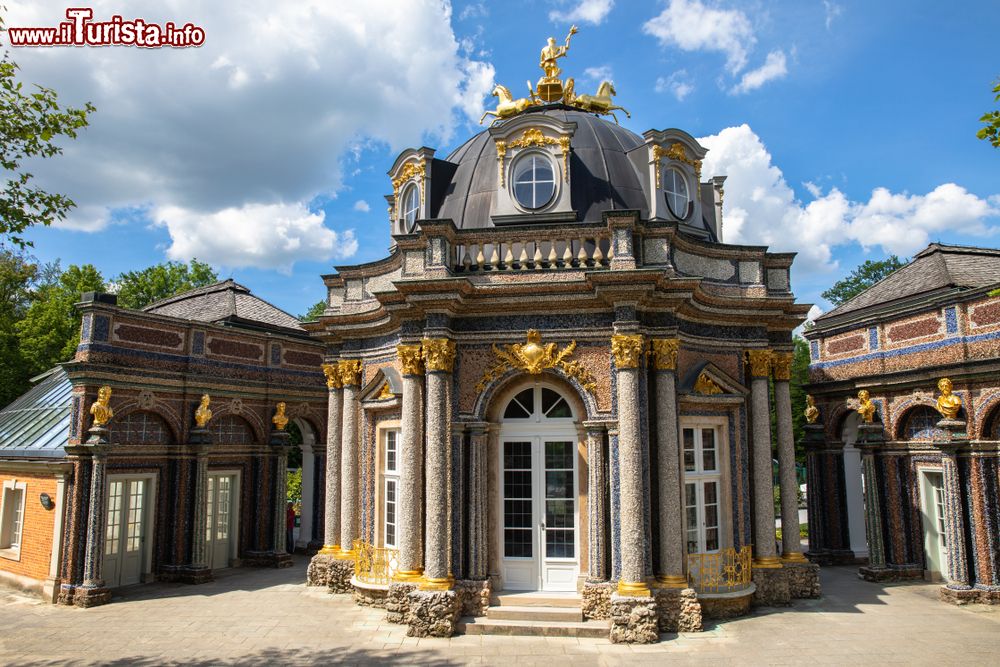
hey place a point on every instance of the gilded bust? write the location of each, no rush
(203, 414)
(948, 404)
(811, 412)
(279, 420)
(866, 407)
(101, 408)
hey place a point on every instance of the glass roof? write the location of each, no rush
(37, 423)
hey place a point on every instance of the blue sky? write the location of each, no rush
(847, 129)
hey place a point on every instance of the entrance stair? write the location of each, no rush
(537, 615)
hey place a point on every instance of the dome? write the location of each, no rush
(604, 176)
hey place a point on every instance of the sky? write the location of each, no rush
(846, 129)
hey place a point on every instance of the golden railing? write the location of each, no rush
(727, 571)
(374, 565)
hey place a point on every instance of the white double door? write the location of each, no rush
(219, 506)
(932, 515)
(539, 536)
(125, 530)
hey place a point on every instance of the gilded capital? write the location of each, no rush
(782, 364)
(439, 354)
(760, 363)
(411, 358)
(349, 371)
(332, 373)
(627, 349)
(663, 353)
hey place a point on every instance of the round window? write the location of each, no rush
(534, 181)
(676, 189)
(410, 207)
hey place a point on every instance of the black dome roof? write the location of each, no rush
(603, 177)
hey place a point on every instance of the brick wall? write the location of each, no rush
(36, 534)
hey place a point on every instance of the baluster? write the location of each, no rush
(537, 258)
(495, 257)
(466, 259)
(582, 255)
(611, 249)
(598, 255)
(508, 259)
(522, 259)
(552, 259)
(567, 258)
(480, 259)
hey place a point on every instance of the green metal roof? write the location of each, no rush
(37, 423)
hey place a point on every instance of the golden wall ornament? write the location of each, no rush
(811, 411)
(760, 363)
(564, 147)
(350, 372)
(948, 404)
(332, 373)
(866, 407)
(781, 363)
(501, 156)
(279, 419)
(533, 137)
(663, 353)
(439, 354)
(101, 408)
(385, 392)
(411, 358)
(677, 152)
(409, 170)
(706, 386)
(204, 413)
(532, 357)
(627, 350)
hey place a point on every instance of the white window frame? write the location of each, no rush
(699, 476)
(668, 193)
(529, 156)
(405, 223)
(10, 544)
(390, 476)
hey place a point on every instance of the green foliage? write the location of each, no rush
(17, 273)
(314, 312)
(30, 122)
(799, 379)
(991, 122)
(294, 492)
(49, 332)
(861, 279)
(137, 289)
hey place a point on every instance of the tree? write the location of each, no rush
(861, 279)
(17, 274)
(799, 379)
(137, 289)
(991, 122)
(314, 311)
(29, 124)
(50, 330)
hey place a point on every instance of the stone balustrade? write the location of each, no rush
(552, 251)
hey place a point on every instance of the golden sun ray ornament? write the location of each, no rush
(533, 357)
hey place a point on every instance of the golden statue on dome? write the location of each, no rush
(550, 86)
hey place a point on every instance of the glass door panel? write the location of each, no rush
(560, 501)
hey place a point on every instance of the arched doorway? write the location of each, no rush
(539, 512)
(854, 486)
(305, 458)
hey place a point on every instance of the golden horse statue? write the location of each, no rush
(508, 106)
(600, 103)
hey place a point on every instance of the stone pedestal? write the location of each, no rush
(633, 619)
(597, 600)
(678, 610)
(397, 602)
(803, 580)
(772, 587)
(432, 613)
(318, 573)
(473, 596)
(338, 575)
(91, 596)
(266, 559)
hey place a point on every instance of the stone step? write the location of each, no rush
(536, 599)
(534, 613)
(487, 626)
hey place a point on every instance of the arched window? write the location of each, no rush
(921, 424)
(231, 430)
(676, 190)
(409, 208)
(539, 403)
(534, 181)
(140, 428)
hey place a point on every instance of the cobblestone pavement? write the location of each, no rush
(271, 617)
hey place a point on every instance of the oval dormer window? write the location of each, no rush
(410, 207)
(534, 181)
(676, 190)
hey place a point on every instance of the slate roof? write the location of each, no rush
(224, 302)
(37, 423)
(936, 268)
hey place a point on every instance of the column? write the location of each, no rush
(870, 437)
(478, 452)
(411, 465)
(331, 510)
(93, 563)
(439, 360)
(597, 501)
(671, 573)
(200, 444)
(954, 506)
(627, 350)
(308, 488)
(791, 545)
(280, 441)
(350, 377)
(765, 553)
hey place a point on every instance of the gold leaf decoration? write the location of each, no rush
(532, 357)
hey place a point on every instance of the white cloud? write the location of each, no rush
(473, 11)
(693, 26)
(362, 206)
(678, 84)
(761, 208)
(586, 11)
(602, 73)
(774, 67)
(259, 116)
(833, 10)
(267, 236)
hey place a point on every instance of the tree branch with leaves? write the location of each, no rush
(991, 122)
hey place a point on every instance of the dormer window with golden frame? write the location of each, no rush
(677, 192)
(534, 180)
(409, 208)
